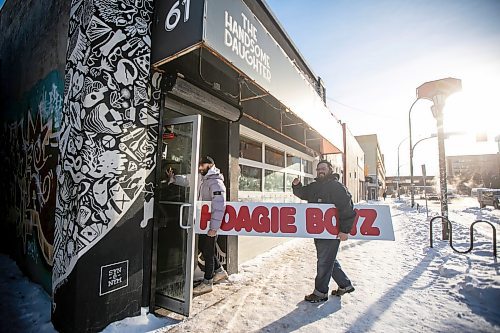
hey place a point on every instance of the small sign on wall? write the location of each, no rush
(113, 277)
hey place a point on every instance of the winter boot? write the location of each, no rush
(315, 297)
(203, 288)
(220, 275)
(341, 291)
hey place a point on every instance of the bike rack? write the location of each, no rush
(471, 234)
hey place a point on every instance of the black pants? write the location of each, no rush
(207, 247)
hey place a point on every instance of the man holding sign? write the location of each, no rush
(327, 190)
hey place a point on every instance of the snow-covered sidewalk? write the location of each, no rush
(401, 286)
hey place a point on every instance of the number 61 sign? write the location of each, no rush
(174, 14)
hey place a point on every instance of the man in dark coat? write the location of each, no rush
(327, 190)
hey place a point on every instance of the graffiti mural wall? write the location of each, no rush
(107, 133)
(30, 157)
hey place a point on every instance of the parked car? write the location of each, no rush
(433, 196)
(476, 191)
(490, 198)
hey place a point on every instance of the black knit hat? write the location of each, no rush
(207, 159)
(327, 163)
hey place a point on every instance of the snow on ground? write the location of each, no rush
(24, 306)
(401, 286)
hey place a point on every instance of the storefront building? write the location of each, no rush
(104, 100)
(374, 166)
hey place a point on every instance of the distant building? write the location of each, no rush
(374, 166)
(354, 164)
(350, 165)
(431, 183)
(468, 171)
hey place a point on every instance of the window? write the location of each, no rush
(307, 166)
(250, 149)
(275, 157)
(250, 178)
(274, 181)
(288, 181)
(293, 162)
(308, 180)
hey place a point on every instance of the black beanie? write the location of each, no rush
(207, 159)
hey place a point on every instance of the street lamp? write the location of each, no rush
(437, 91)
(397, 183)
(433, 135)
(411, 145)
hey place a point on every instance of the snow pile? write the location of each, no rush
(24, 306)
(146, 322)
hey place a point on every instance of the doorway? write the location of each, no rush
(175, 205)
(186, 133)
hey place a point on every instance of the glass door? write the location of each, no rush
(175, 204)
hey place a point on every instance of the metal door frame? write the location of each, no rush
(181, 307)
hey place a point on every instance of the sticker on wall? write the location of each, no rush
(113, 277)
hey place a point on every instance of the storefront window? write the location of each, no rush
(273, 181)
(293, 162)
(308, 180)
(275, 157)
(250, 178)
(307, 166)
(250, 149)
(288, 182)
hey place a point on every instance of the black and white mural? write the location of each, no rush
(109, 125)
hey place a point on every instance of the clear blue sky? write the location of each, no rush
(373, 54)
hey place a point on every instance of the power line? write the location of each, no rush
(358, 109)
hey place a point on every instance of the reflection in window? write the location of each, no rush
(250, 149)
(308, 180)
(273, 181)
(250, 178)
(275, 157)
(293, 162)
(288, 183)
(307, 166)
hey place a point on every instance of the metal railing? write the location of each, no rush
(471, 234)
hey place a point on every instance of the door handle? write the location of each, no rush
(181, 210)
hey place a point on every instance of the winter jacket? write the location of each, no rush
(210, 188)
(329, 191)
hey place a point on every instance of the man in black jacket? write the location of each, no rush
(326, 189)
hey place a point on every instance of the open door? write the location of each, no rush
(173, 238)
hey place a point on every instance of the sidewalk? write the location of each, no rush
(401, 286)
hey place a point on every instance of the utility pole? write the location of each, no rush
(437, 91)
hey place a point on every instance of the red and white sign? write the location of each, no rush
(296, 220)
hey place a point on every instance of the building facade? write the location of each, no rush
(99, 100)
(354, 164)
(374, 166)
(430, 183)
(469, 171)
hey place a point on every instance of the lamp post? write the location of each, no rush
(397, 183)
(437, 91)
(411, 154)
(433, 135)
